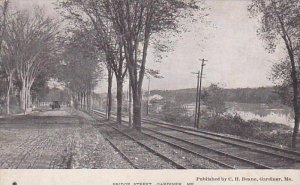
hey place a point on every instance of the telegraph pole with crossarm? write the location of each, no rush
(199, 95)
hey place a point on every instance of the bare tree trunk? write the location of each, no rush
(23, 96)
(137, 111)
(295, 103)
(88, 99)
(25, 100)
(81, 99)
(75, 100)
(8, 93)
(109, 94)
(8, 101)
(119, 100)
(78, 100)
(129, 106)
(84, 100)
(91, 98)
(28, 96)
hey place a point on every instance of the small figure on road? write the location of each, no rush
(54, 105)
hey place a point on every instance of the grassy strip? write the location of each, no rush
(234, 125)
(253, 129)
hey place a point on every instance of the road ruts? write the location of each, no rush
(54, 142)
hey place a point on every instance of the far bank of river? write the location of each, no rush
(263, 112)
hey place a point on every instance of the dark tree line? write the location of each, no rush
(267, 95)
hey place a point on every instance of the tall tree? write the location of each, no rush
(213, 98)
(280, 21)
(135, 21)
(33, 44)
(88, 14)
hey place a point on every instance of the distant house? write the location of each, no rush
(190, 108)
(156, 102)
(155, 97)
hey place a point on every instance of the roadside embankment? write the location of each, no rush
(253, 129)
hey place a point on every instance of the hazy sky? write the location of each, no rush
(236, 56)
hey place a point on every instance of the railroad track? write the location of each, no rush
(233, 152)
(183, 153)
(244, 141)
(135, 152)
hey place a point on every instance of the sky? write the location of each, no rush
(236, 57)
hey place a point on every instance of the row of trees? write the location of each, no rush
(280, 20)
(80, 68)
(267, 95)
(116, 35)
(28, 46)
(122, 31)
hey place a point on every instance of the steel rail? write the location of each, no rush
(178, 166)
(207, 136)
(258, 165)
(261, 166)
(227, 137)
(230, 143)
(151, 150)
(122, 154)
(192, 152)
(171, 126)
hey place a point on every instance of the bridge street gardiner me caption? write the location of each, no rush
(148, 183)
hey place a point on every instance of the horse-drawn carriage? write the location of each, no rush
(55, 105)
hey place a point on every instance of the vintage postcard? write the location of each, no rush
(149, 92)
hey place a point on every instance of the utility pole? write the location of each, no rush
(199, 96)
(148, 96)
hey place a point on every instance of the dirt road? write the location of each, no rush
(54, 139)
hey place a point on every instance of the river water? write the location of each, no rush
(276, 114)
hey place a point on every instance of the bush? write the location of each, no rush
(253, 129)
(174, 113)
(213, 98)
(230, 124)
